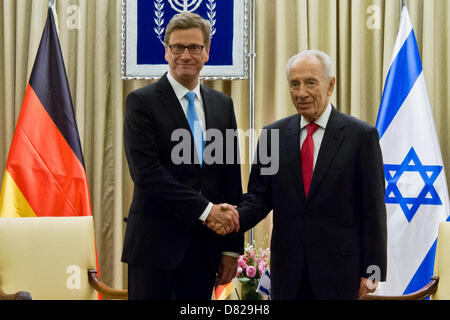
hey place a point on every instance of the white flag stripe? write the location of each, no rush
(414, 115)
(405, 29)
(264, 285)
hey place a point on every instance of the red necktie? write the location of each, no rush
(308, 156)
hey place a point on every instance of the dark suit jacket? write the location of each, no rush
(340, 229)
(168, 199)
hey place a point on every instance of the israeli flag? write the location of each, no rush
(416, 189)
(264, 285)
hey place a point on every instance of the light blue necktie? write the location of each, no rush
(195, 126)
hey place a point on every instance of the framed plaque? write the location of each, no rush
(143, 29)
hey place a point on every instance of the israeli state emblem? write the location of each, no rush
(178, 6)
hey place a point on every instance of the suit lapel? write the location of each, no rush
(292, 152)
(212, 118)
(170, 102)
(331, 143)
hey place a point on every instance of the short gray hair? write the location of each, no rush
(188, 20)
(322, 56)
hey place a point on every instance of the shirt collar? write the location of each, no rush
(322, 121)
(180, 90)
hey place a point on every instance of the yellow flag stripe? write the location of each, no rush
(226, 291)
(12, 202)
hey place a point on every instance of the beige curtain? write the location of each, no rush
(359, 35)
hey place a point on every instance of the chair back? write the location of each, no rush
(442, 263)
(48, 257)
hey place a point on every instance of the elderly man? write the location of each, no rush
(329, 215)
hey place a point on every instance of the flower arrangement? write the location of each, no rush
(251, 266)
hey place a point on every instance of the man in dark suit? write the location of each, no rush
(170, 253)
(329, 215)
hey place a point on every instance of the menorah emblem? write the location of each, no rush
(185, 5)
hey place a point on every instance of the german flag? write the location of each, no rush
(45, 173)
(223, 291)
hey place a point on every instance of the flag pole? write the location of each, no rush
(252, 56)
(402, 6)
(52, 5)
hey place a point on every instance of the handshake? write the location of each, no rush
(223, 219)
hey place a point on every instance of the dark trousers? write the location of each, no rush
(193, 279)
(305, 291)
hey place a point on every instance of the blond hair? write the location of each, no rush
(188, 20)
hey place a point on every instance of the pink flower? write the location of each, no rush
(260, 260)
(261, 267)
(252, 253)
(239, 271)
(242, 263)
(251, 271)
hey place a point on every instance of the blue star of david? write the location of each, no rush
(428, 195)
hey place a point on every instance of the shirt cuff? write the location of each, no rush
(231, 254)
(205, 213)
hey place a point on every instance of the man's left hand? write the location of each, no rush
(366, 286)
(227, 269)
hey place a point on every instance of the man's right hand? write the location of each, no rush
(223, 219)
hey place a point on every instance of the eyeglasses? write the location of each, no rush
(179, 48)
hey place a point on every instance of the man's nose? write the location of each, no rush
(301, 92)
(186, 54)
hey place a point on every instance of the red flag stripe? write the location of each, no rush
(44, 166)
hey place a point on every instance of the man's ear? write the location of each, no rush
(331, 87)
(206, 56)
(166, 55)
